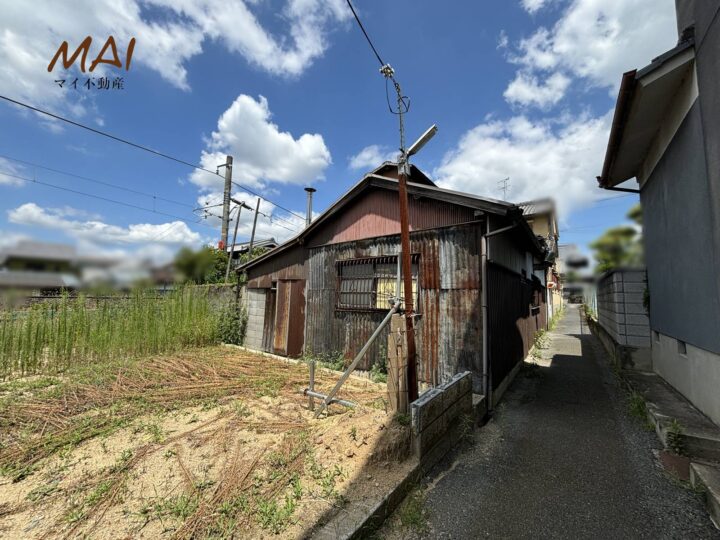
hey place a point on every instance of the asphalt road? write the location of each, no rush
(562, 458)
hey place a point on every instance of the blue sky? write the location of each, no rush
(521, 89)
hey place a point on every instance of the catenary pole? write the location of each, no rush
(232, 249)
(252, 236)
(226, 201)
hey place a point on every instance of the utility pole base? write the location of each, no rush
(397, 366)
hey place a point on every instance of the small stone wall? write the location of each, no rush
(437, 418)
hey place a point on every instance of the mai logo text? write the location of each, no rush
(83, 50)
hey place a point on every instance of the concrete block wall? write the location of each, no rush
(255, 305)
(437, 418)
(620, 309)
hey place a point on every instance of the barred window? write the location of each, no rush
(370, 283)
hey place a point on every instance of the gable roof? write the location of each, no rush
(482, 204)
(642, 104)
(389, 169)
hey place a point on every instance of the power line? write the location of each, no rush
(108, 135)
(106, 199)
(94, 180)
(267, 200)
(145, 148)
(367, 37)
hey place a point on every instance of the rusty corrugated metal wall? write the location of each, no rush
(290, 264)
(449, 329)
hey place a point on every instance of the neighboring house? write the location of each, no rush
(38, 268)
(572, 267)
(666, 135)
(242, 248)
(326, 290)
(542, 218)
(42, 268)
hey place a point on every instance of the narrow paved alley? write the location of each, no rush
(562, 458)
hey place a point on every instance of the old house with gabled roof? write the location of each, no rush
(478, 299)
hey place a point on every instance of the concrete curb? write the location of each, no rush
(707, 477)
(345, 526)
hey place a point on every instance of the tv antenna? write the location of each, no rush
(504, 186)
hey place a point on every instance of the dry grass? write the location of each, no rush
(207, 443)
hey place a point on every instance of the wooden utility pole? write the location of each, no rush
(226, 201)
(412, 386)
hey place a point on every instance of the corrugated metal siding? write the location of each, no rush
(288, 265)
(376, 213)
(449, 329)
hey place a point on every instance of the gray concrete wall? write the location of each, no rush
(440, 416)
(620, 307)
(679, 229)
(255, 305)
(695, 374)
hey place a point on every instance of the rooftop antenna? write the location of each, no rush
(504, 186)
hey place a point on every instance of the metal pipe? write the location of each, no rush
(311, 401)
(308, 215)
(318, 395)
(356, 361)
(483, 302)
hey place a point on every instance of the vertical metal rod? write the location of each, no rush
(397, 284)
(311, 400)
(232, 249)
(226, 201)
(484, 308)
(308, 213)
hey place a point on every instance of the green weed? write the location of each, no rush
(675, 439)
(412, 512)
(50, 337)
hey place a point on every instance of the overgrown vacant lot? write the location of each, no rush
(209, 443)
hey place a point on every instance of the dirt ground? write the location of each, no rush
(211, 443)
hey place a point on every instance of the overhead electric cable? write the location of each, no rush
(144, 148)
(96, 181)
(106, 199)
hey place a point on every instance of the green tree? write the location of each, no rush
(620, 246)
(206, 265)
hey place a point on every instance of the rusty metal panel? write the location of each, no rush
(296, 319)
(269, 323)
(290, 264)
(376, 213)
(448, 328)
(282, 313)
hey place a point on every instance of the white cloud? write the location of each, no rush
(554, 158)
(531, 6)
(371, 157)
(176, 232)
(503, 40)
(9, 173)
(594, 41)
(168, 35)
(525, 89)
(262, 153)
